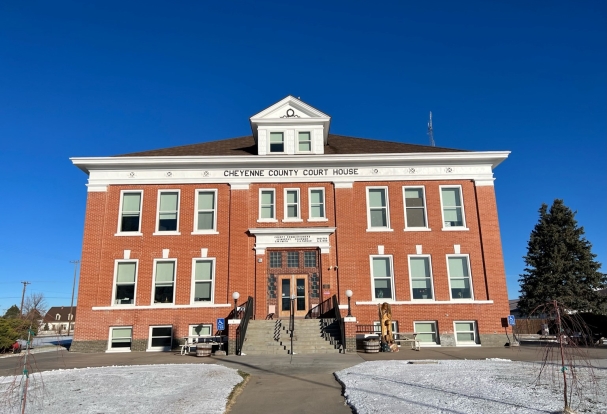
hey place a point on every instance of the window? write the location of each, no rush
(202, 329)
(121, 338)
(266, 205)
(161, 338)
(203, 280)
(377, 326)
(309, 259)
(421, 277)
(317, 203)
(377, 201)
(292, 259)
(277, 142)
(304, 141)
(130, 212)
(291, 204)
(415, 208)
(381, 274)
(465, 332)
(164, 282)
(206, 219)
(168, 210)
(426, 332)
(276, 259)
(453, 209)
(57, 317)
(459, 277)
(125, 283)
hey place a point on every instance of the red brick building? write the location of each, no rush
(170, 234)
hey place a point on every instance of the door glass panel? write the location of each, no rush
(301, 294)
(286, 292)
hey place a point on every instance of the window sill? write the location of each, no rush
(296, 220)
(374, 302)
(455, 229)
(379, 229)
(117, 351)
(470, 345)
(123, 306)
(130, 233)
(164, 349)
(160, 306)
(318, 219)
(417, 229)
(267, 221)
(166, 233)
(204, 232)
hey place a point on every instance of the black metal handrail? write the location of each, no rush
(323, 310)
(241, 331)
(340, 320)
(292, 322)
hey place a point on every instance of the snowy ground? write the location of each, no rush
(466, 387)
(150, 389)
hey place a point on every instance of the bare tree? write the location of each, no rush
(35, 306)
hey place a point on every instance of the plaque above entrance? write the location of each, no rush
(292, 237)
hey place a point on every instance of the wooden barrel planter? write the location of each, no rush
(203, 350)
(371, 346)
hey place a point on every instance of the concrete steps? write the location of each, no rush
(310, 336)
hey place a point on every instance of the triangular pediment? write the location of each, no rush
(290, 108)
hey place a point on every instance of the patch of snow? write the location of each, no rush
(124, 389)
(468, 386)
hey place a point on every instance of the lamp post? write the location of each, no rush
(235, 296)
(349, 294)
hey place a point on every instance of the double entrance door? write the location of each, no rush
(293, 289)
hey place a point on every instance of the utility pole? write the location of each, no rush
(22, 298)
(431, 131)
(71, 315)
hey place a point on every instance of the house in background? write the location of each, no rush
(58, 317)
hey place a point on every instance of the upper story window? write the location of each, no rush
(275, 259)
(267, 206)
(317, 203)
(291, 204)
(164, 282)
(421, 277)
(57, 317)
(458, 268)
(378, 214)
(130, 212)
(168, 211)
(277, 142)
(126, 273)
(381, 277)
(415, 208)
(206, 206)
(453, 207)
(304, 141)
(204, 271)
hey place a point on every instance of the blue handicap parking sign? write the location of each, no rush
(221, 325)
(511, 320)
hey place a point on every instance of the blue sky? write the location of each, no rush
(105, 78)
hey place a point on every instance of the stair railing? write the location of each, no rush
(322, 310)
(241, 331)
(292, 321)
(340, 320)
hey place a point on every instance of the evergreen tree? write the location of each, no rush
(560, 265)
(12, 312)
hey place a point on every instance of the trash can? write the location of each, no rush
(371, 346)
(203, 350)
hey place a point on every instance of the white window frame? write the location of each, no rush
(119, 231)
(192, 326)
(407, 227)
(174, 282)
(267, 220)
(197, 210)
(324, 204)
(109, 341)
(437, 336)
(413, 256)
(167, 232)
(286, 205)
(394, 326)
(474, 331)
(297, 150)
(467, 256)
(150, 348)
(387, 227)
(193, 286)
(391, 260)
(463, 227)
(57, 317)
(114, 286)
(284, 142)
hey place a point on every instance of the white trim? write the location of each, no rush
(310, 131)
(193, 281)
(387, 207)
(285, 216)
(158, 348)
(171, 304)
(282, 131)
(259, 218)
(391, 262)
(475, 331)
(425, 303)
(442, 208)
(308, 237)
(467, 256)
(407, 227)
(157, 231)
(239, 186)
(113, 298)
(193, 325)
(119, 231)
(324, 204)
(165, 306)
(436, 334)
(109, 348)
(409, 257)
(196, 211)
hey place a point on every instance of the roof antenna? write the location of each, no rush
(430, 131)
